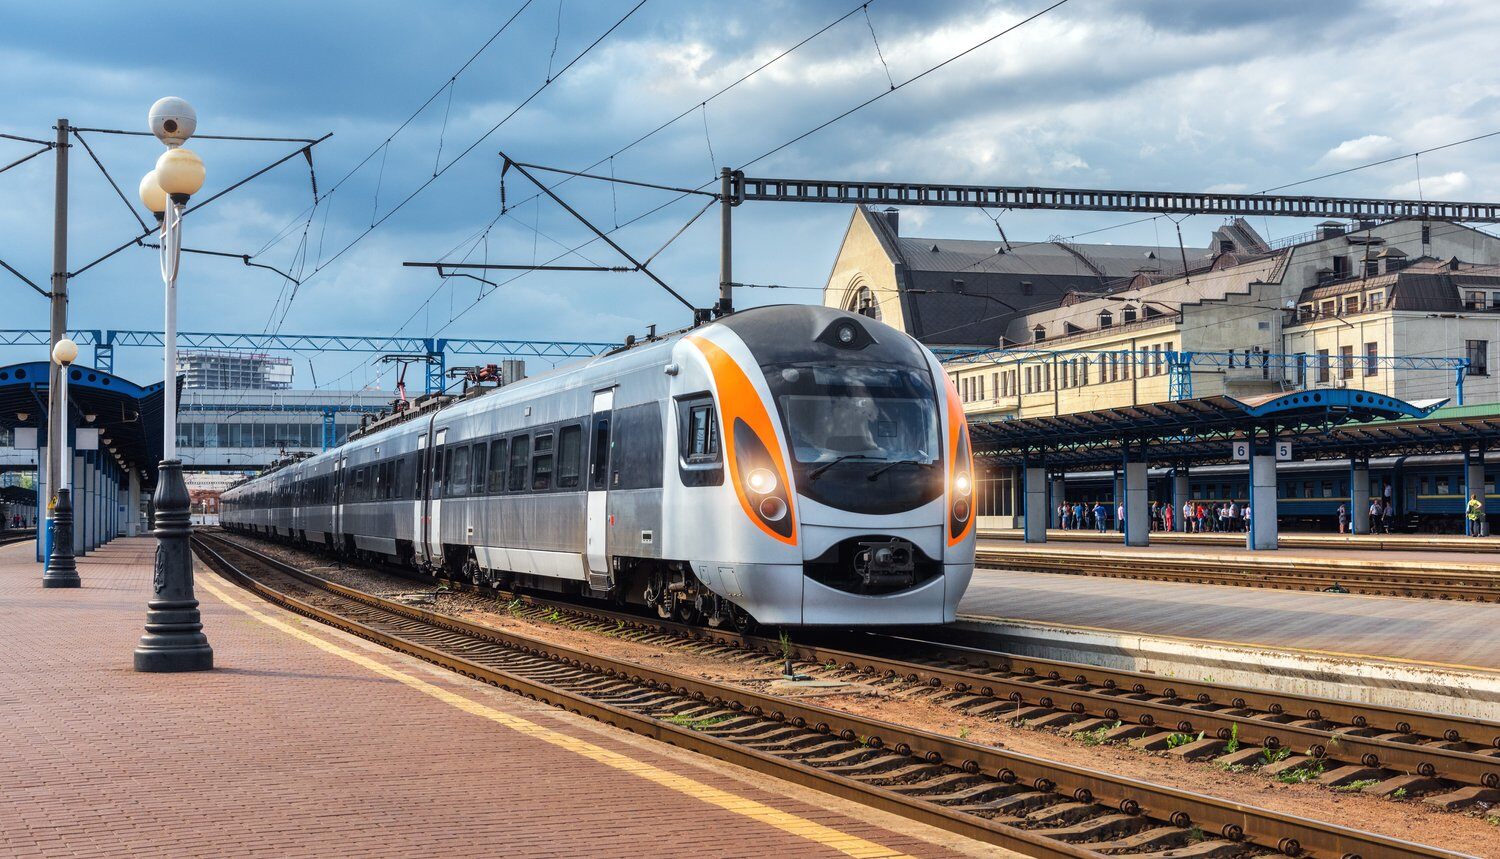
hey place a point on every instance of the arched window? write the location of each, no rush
(863, 302)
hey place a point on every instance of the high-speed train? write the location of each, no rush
(782, 465)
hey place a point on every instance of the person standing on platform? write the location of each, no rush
(1120, 517)
(1476, 516)
(1375, 509)
(1078, 516)
(1099, 516)
(1247, 517)
(1388, 516)
(1343, 519)
(1062, 515)
(1187, 516)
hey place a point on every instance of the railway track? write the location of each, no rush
(7, 539)
(1479, 583)
(1028, 804)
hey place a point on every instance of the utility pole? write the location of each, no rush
(56, 420)
(726, 274)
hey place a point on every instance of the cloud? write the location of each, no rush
(1367, 148)
(1228, 188)
(1433, 187)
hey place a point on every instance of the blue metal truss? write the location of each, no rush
(436, 349)
(1180, 365)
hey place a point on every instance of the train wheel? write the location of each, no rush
(687, 612)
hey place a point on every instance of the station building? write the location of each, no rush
(1053, 328)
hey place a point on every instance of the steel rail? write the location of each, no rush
(1431, 582)
(1288, 834)
(1373, 736)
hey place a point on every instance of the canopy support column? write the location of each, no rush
(1474, 486)
(1137, 524)
(1262, 533)
(1034, 516)
(133, 505)
(1359, 495)
(1180, 495)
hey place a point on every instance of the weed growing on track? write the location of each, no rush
(1398, 793)
(1309, 771)
(1357, 785)
(1234, 740)
(682, 721)
(1275, 755)
(1096, 736)
(1180, 739)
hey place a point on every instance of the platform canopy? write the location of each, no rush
(1199, 431)
(127, 414)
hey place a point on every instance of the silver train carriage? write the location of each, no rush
(789, 464)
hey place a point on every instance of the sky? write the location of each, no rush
(1149, 94)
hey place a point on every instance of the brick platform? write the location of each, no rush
(306, 741)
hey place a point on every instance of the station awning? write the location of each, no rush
(127, 414)
(1202, 430)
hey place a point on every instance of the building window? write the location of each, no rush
(1128, 315)
(1027, 288)
(1478, 353)
(1327, 308)
(1426, 234)
(1304, 312)
(1494, 300)
(1322, 365)
(1377, 300)
(995, 385)
(1340, 267)
(1351, 304)
(979, 380)
(1106, 319)
(1372, 359)
(1346, 362)
(1038, 334)
(1372, 267)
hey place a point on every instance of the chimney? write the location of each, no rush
(1330, 230)
(892, 219)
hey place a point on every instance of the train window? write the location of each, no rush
(1307, 489)
(477, 463)
(459, 482)
(1442, 486)
(698, 431)
(541, 463)
(497, 466)
(1328, 489)
(520, 451)
(599, 463)
(569, 454)
(1421, 486)
(437, 473)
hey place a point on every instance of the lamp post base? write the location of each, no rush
(174, 639)
(62, 570)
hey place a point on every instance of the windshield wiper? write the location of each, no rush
(890, 465)
(818, 472)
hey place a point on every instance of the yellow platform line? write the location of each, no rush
(845, 843)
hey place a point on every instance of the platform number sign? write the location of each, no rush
(1242, 449)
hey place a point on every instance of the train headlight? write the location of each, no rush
(846, 334)
(961, 483)
(772, 508)
(761, 481)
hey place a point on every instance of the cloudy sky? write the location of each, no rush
(1132, 93)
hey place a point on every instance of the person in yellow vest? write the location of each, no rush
(1476, 517)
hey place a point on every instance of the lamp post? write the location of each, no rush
(174, 639)
(62, 570)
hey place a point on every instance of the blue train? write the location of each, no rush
(1428, 492)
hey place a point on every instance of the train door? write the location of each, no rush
(599, 446)
(434, 519)
(419, 503)
(337, 509)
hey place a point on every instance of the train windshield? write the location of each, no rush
(864, 437)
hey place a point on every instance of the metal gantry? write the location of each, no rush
(104, 342)
(760, 189)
